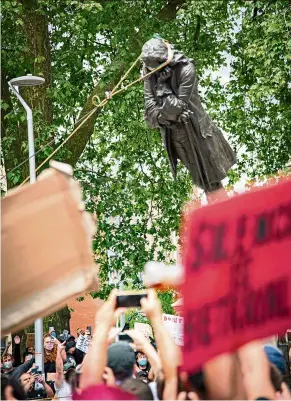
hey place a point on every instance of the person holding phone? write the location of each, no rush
(34, 385)
(65, 376)
(50, 353)
(52, 333)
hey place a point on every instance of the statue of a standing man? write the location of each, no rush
(173, 105)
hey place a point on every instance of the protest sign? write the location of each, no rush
(29, 340)
(83, 343)
(144, 328)
(237, 263)
(46, 252)
(174, 325)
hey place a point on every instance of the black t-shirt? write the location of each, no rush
(34, 394)
(50, 367)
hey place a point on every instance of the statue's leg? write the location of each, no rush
(215, 193)
(183, 150)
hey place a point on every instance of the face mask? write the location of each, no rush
(7, 365)
(142, 362)
(49, 346)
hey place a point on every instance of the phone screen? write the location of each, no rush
(89, 329)
(125, 337)
(129, 300)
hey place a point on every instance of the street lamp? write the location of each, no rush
(27, 80)
(30, 80)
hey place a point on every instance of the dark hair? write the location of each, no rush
(17, 391)
(161, 385)
(6, 355)
(138, 388)
(276, 378)
(69, 373)
(142, 375)
(197, 383)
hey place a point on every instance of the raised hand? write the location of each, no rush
(61, 346)
(139, 340)
(17, 340)
(165, 74)
(151, 305)
(39, 378)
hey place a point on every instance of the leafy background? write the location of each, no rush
(242, 52)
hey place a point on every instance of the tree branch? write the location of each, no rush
(170, 10)
(197, 32)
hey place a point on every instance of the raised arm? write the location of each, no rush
(16, 353)
(59, 366)
(95, 360)
(6, 348)
(143, 345)
(169, 352)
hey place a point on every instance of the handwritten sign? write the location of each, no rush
(174, 325)
(144, 328)
(83, 343)
(29, 340)
(237, 259)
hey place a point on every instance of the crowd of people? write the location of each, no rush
(139, 368)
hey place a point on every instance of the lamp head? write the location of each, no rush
(27, 80)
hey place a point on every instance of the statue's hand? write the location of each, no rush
(165, 74)
(162, 121)
(184, 116)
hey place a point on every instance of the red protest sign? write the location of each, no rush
(237, 259)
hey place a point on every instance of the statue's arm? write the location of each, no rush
(152, 109)
(174, 105)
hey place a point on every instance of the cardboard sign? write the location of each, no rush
(46, 250)
(174, 325)
(144, 328)
(83, 343)
(237, 259)
(29, 340)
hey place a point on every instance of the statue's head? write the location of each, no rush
(154, 53)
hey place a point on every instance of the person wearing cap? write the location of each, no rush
(65, 376)
(121, 359)
(278, 371)
(70, 351)
(276, 357)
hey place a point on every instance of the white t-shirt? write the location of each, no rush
(153, 387)
(64, 392)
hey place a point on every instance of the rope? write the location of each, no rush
(105, 100)
(28, 158)
(39, 150)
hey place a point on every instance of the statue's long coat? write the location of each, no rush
(196, 140)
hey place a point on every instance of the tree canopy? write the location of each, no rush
(82, 48)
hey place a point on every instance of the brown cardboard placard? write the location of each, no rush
(46, 249)
(29, 340)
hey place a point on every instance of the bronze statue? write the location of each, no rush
(173, 105)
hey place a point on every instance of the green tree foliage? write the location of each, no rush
(83, 48)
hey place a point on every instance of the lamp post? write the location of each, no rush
(114, 278)
(30, 80)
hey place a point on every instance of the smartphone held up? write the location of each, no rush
(130, 299)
